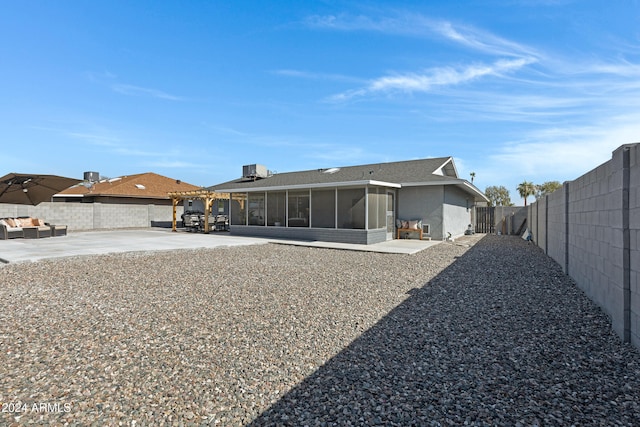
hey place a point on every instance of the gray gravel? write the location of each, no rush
(494, 334)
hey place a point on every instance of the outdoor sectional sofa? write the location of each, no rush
(29, 228)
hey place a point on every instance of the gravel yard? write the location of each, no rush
(494, 334)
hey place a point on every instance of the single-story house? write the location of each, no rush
(141, 189)
(353, 204)
(139, 200)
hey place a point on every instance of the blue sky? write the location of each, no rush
(513, 90)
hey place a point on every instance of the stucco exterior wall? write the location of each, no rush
(446, 209)
(456, 211)
(422, 203)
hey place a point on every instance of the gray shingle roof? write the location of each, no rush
(411, 171)
(440, 170)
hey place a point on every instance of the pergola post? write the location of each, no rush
(208, 197)
(174, 202)
(207, 212)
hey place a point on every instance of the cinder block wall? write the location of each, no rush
(541, 224)
(532, 212)
(89, 216)
(595, 237)
(634, 244)
(509, 218)
(557, 227)
(591, 227)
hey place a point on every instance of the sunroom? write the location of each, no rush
(352, 204)
(344, 213)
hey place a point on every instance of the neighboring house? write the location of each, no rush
(355, 204)
(140, 200)
(141, 189)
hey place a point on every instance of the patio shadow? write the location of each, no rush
(480, 344)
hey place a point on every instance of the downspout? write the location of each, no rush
(444, 228)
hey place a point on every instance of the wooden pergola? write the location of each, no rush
(208, 197)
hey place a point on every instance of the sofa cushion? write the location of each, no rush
(10, 224)
(24, 222)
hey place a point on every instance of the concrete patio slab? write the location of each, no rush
(141, 240)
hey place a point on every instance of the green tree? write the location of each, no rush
(547, 188)
(498, 195)
(526, 189)
(473, 175)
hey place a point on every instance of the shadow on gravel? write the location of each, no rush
(500, 337)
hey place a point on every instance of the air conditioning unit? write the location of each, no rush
(254, 171)
(92, 176)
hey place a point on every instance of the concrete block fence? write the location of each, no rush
(90, 216)
(591, 227)
(508, 219)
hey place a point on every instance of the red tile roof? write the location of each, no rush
(144, 185)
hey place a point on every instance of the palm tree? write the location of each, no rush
(526, 189)
(473, 175)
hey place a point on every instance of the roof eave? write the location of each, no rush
(460, 183)
(68, 195)
(315, 185)
(129, 196)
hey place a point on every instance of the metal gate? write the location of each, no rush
(485, 219)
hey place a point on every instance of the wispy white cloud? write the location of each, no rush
(511, 56)
(564, 153)
(443, 76)
(481, 41)
(417, 25)
(110, 80)
(132, 90)
(616, 68)
(346, 22)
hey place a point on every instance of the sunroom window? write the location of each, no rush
(298, 209)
